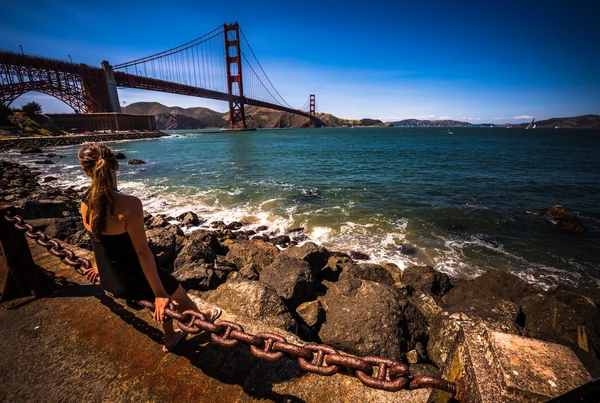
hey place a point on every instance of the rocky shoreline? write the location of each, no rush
(32, 143)
(326, 296)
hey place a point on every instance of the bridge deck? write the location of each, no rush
(78, 344)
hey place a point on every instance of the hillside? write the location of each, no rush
(175, 117)
(36, 124)
(575, 122)
(430, 123)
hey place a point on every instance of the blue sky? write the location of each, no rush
(479, 61)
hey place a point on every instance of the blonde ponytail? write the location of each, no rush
(100, 162)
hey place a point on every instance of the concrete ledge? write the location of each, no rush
(499, 367)
(77, 344)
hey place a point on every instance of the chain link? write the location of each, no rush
(375, 372)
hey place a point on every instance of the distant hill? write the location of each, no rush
(175, 117)
(576, 122)
(430, 123)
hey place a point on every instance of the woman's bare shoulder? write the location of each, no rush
(128, 204)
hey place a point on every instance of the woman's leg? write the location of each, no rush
(183, 300)
(169, 332)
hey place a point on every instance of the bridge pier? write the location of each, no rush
(237, 114)
(111, 84)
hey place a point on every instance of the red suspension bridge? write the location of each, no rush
(219, 65)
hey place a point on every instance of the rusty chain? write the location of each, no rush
(374, 372)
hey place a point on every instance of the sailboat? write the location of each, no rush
(531, 125)
(449, 132)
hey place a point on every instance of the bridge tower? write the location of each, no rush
(237, 114)
(313, 105)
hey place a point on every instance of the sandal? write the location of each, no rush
(212, 314)
(179, 336)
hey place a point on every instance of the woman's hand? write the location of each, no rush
(160, 303)
(91, 274)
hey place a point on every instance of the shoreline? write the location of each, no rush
(309, 290)
(58, 141)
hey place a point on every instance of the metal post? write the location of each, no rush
(20, 277)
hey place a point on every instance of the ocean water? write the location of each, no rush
(463, 203)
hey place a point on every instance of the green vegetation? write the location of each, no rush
(32, 108)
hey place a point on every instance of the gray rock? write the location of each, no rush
(80, 239)
(189, 219)
(193, 253)
(364, 318)
(291, 278)
(426, 279)
(563, 218)
(234, 226)
(157, 221)
(249, 272)
(259, 253)
(315, 255)
(163, 245)
(254, 300)
(135, 162)
(412, 357)
(369, 271)
(312, 313)
(356, 255)
(199, 276)
(335, 265)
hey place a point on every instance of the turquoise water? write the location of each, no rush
(463, 203)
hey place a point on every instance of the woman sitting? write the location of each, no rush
(124, 260)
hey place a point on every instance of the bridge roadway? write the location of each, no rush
(77, 344)
(125, 80)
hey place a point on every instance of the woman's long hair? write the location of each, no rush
(100, 162)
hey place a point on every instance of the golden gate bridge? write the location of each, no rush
(219, 65)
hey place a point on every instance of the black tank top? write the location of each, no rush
(120, 270)
(118, 265)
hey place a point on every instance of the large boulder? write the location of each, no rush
(199, 276)
(45, 208)
(493, 283)
(563, 218)
(495, 314)
(567, 316)
(315, 255)
(259, 253)
(367, 318)
(426, 279)
(210, 238)
(63, 228)
(254, 300)
(335, 265)
(157, 222)
(189, 219)
(80, 239)
(291, 278)
(194, 252)
(492, 301)
(369, 271)
(163, 245)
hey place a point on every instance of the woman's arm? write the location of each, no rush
(135, 227)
